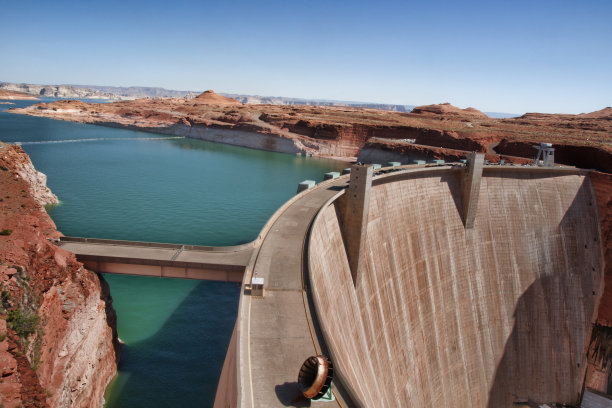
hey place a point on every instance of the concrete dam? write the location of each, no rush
(447, 316)
(425, 286)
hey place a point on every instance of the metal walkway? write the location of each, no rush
(162, 260)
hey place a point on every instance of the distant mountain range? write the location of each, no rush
(150, 92)
(281, 100)
(57, 91)
(135, 92)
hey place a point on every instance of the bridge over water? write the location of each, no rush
(225, 264)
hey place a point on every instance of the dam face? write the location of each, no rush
(447, 316)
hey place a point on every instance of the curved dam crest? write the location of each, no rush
(447, 316)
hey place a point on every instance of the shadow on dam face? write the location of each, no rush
(488, 317)
(520, 369)
(537, 317)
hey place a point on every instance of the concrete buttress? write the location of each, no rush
(356, 217)
(471, 188)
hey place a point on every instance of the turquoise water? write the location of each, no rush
(122, 184)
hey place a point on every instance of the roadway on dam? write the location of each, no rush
(161, 260)
(276, 334)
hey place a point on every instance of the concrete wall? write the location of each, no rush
(445, 316)
(227, 388)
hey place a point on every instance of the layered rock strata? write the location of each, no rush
(58, 343)
(342, 132)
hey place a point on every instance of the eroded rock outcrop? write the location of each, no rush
(36, 180)
(15, 95)
(448, 109)
(58, 343)
(210, 97)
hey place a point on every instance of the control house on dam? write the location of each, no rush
(467, 285)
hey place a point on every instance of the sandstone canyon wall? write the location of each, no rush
(58, 342)
(599, 376)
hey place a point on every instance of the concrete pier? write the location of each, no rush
(305, 185)
(331, 175)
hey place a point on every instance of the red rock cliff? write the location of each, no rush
(342, 132)
(57, 326)
(599, 375)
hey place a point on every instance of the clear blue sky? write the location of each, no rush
(509, 56)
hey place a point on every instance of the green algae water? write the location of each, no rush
(121, 184)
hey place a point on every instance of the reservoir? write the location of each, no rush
(122, 184)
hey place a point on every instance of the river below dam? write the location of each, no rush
(122, 184)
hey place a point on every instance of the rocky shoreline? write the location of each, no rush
(58, 340)
(344, 132)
